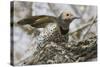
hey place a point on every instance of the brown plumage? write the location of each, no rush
(63, 21)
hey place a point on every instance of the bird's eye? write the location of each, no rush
(67, 14)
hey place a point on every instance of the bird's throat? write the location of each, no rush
(63, 32)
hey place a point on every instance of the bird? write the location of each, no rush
(62, 21)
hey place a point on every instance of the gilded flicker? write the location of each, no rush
(61, 29)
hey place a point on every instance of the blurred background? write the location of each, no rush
(79, 29)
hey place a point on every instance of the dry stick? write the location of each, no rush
(51, 8)
(93, 21)
(36, 56)
(33, 57)
(82, 27)
(81, 14)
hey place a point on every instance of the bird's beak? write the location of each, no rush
(77, 18)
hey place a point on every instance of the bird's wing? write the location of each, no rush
(37, 21)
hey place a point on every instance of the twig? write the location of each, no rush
(51, 8)
(82, 27)
(33, 58)
(93, 21)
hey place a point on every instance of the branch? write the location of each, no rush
(83, 26)
(94, 21)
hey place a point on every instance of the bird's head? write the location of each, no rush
(65, 18)
(68, 17)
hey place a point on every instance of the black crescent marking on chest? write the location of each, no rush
(64, 32)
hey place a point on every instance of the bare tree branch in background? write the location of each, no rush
(52, 9)
(84, 26)
(93, 20)
(22, 10)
